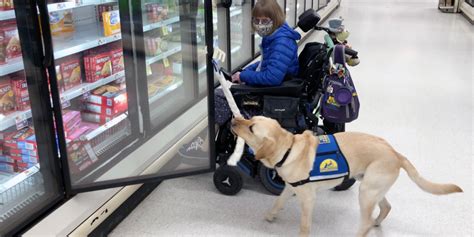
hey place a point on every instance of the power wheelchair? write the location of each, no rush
(295, 104)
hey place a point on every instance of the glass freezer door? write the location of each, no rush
(29, 172)
(308, 4)
(291, 12)
(93, 92)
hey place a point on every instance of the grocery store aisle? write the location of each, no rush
(415, 85)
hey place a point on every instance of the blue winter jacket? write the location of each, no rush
(280, 57)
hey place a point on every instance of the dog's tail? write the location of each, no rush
(425, 185)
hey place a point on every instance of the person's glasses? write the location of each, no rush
(263, 21)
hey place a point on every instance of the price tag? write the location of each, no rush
(166, 62)
(21, 121)
(164, 30)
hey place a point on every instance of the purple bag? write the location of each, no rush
(340, 103)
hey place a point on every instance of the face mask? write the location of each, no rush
(263, 29)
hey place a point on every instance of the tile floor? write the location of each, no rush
(415, 83)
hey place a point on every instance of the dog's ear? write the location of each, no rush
(267, 149)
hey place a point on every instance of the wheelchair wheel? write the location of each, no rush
(270, 180)
(228, 180)
(346, 184)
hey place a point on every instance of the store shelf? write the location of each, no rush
(84, 38)
(11, 67)
(71, 5)
(174, 48)
(159, 24)
(13, 118)
(85, 87)
(167, 90)
(6, 15)
(106, 126)
(8, 181)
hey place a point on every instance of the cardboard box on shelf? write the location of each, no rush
(7, 167)
(98, 65)
(7, 96)
(10, 47)
(111, 22)
(62, 23)
(21, 139)
(71, 73)
(117, 60)
(96, 118)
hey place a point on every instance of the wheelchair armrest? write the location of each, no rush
(291, 88)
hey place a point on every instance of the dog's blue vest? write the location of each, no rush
(329, 163)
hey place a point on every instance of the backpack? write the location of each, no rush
(340, 102)
(313, 65)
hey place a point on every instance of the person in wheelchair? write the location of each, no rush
(279, 59)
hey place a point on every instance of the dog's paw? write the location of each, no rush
(269, 217)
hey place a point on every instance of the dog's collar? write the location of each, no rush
(280, 163)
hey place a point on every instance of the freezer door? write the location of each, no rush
(240, 33)
(30, 178)
(151, 110)
(291, 12)
(300, 7)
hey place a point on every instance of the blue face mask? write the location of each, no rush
(263, 29)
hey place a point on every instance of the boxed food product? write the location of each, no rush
(96, 118)
(117, 60)
(22, 100)
(24, 158)
(71, 72)
(104, 8)
(6, 159)
(106, 110)
(10, 151)
(156, 12)
(116, 100)
(61, 23)
(21, 139)
(7, 98)
(6, 5)
(10, 47)
(7, 167)
(23, 166)
(82, 129)
(111, 21)
(99, 65)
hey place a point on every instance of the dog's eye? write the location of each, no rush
(250, 128)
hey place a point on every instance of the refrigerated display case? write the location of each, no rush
(299, 7)
(29, 177)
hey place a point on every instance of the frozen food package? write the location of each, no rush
(7, 98)
(61, 23)
(7, 167)
(71, 72)
(99, 66)
(96, 118)
(117, 60)
(111, 21)
(9, 43)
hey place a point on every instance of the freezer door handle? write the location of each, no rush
(46, 33)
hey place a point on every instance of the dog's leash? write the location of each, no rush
(219, 55)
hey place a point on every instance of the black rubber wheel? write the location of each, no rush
(270, 180)
(228, 180)
(346, 184)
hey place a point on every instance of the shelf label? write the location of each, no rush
(21, 121)
(166, 62)
(164, 30)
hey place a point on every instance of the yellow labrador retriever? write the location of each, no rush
(370, 159)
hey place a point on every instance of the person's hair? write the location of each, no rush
(270, 9)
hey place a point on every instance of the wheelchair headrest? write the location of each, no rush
(308, 20)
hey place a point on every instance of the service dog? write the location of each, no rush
(370, 159)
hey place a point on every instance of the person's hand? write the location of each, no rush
(236, 78)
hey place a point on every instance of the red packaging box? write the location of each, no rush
(100, 66)
(9, 43)
(71, 72)
(105, 110)
(22, 139)
(22, 100)
(117, 60)
(82, 129)
(114, 100)
(23, 166)
(7, 98)
(24, 158)
(71, 119)
(96, 118)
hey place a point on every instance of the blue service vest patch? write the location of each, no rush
(329, 163)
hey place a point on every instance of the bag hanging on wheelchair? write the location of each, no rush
(340, 102)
